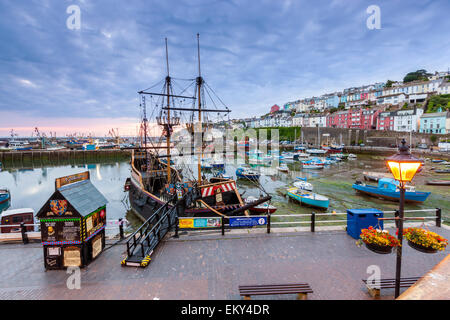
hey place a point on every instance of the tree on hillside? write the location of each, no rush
(421, 75)
(389, 84)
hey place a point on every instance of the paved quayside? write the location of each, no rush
(212, 267)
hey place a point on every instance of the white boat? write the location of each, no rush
(352, 156)
(301, 156)
(287, 156)
(303, 185)
(283, 168)
(314, 163)
(316, 151)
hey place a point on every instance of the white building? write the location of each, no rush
(444, 88)
(319, 120)
(407, 120)
(302, 106)
(396, 98)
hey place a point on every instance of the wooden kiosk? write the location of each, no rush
(73, 222)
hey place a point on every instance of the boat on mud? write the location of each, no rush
(438, 182)
(264, 208)
(387, 188)
(308, 198)
(314, 163)
(247, 173)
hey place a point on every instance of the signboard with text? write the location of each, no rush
(247, 221)
(193, 223)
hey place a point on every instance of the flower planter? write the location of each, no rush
(421, 248)
(378, 249)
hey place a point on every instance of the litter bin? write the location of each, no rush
(358, 219)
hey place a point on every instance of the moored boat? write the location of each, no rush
(438, 182)
(308, 198)
(263, 208)
(303, 184)
(5, 199)
(314, 163)
(283, 168)
(246, 173)
(316, 152)
(375, 176)
(387, 188)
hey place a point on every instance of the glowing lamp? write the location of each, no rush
(403, 165)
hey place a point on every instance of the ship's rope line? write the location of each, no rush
(158, 84)
(216, 96)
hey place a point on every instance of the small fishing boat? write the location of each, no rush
(352, 156)
(303, 184)
(165, 161)
(205, 164)
(387, 188)
(5, 197)
(246, 173)
(341, 156)
(375, 176)
(283, 168)
(218, 164)
(308, 198)
(314, 163)
(300, 156)
(442, 171)
(438, 182)
(319, 152)
(287, 156)
(437, 160)
(263, 208)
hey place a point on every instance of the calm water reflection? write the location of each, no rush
(30, 188)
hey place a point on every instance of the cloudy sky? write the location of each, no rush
(254, 54)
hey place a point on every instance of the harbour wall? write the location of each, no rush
(376, 138)
(23, 159)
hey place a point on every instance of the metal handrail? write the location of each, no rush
(155, 230)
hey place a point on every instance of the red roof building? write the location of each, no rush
(275, 108)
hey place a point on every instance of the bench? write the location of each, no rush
(301, 289)
(374, 289)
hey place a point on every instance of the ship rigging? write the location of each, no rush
(154, 179)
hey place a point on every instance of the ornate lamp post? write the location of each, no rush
(403, 166)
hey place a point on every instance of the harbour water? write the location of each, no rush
(31, 187)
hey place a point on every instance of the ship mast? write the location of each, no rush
(199, 85)
(169, 173)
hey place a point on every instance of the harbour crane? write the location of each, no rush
(40, 136)
(114, 133)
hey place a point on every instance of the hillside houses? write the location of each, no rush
(398, 107)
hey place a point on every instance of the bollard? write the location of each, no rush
(396, 214)
(176, 228)
(313, 221)
(223, 227)
(23, 230)
(121, 229)
(268, 223)
(438, 217)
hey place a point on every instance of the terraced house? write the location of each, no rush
(437, 122)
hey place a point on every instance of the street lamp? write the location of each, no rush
(403, 166)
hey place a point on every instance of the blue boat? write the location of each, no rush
(308, 198)
(165, 161)
(5, 199)
(388, 189)
(247, 174)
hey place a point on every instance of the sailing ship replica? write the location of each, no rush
(154, 180)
